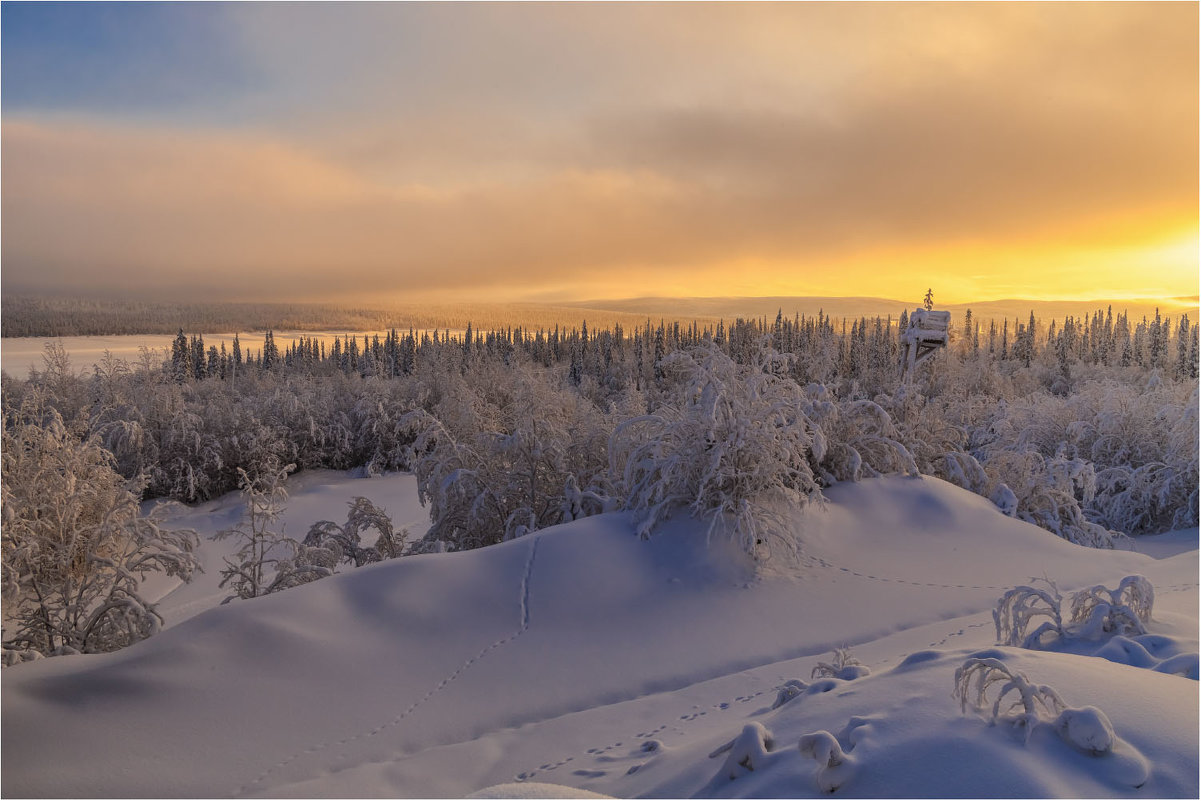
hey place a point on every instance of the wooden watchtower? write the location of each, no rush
(925, 336)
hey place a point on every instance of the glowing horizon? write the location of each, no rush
(574, 152)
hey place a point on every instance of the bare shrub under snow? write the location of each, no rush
(1095, 612)
(1034, 707)
(834, 767)
(1098, 611)
(1086, 728)
(347, 540)
(1020, 606)
(1028, 703)
(733, 451)
(746, 752)
(844, 666)
(792, 688)
(267, 561)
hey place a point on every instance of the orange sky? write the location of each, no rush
(506, 152)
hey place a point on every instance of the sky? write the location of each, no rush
(495, 151)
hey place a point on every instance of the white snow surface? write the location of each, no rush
(583, 657)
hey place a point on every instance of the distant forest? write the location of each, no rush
(36, 316)
(1086, 427)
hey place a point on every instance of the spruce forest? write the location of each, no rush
(1086, 428)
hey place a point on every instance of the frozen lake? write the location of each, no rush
(18, 354)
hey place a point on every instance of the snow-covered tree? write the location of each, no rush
(266, 560)
(497, 455)
(75, 545)
(733, 450)
(346, 541)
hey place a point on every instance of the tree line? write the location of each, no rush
(1085, 427)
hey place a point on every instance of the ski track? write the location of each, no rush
(524, 609)
(599, 753)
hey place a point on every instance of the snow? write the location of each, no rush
(582, 658)
(1162, 546)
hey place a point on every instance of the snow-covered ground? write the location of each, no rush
(586, 658)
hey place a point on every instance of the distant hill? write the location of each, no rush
(747, 307)
(33, 316)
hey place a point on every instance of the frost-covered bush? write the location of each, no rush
(381, 439)
(1110, 455)
(746, 752)
(793, 688)
(834, 768)
(267, 561)
(1050, 493)
(844, 666)
(1127, 454)
(1028, 703)
(1098, 611)
(507, 457)
(1095, 612)
(857, 438)
(963, 470)
(1018, 608)
(1031, 706)
(75, 545)
(932, 430)
(733, 450)
(346, 540)
(1084, 435)
(1149, 498)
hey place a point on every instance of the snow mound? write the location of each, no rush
(533, 790)
(588, 658)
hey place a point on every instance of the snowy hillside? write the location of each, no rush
(584, 657)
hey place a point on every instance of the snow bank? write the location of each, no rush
(586, 657)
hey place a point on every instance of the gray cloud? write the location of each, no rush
(583, 148)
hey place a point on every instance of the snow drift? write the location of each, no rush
(585, 657)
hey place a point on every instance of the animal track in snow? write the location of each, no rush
(524, 610)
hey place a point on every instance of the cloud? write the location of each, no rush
(627, 150)
(243, 216)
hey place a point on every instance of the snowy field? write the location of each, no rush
(585, 658)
